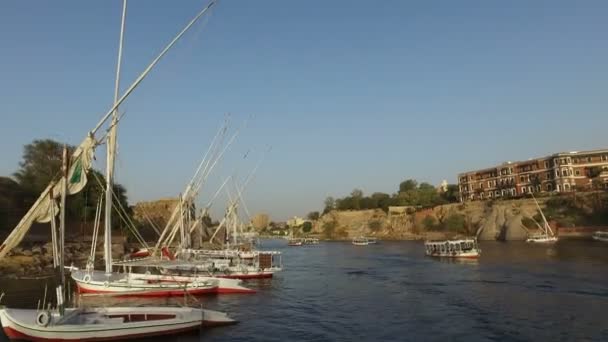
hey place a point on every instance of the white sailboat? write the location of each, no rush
(131, 283)
(95, 324)
(546, 235)
(237, 260)
(88, 324)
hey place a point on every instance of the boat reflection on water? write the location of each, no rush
(462, 261)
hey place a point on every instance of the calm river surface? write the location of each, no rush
(392, 292)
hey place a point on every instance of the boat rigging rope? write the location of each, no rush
(123, 215)
(96, 225)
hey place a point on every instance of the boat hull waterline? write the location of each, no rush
(145, 285)
(107, 324)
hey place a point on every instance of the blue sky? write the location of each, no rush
(348, 93)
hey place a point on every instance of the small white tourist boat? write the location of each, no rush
(295, 242)
(463, 248)
(311, 241)
(362, 241)
(600, 236)
(546, 235)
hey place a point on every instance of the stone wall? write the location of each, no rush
(155, 213)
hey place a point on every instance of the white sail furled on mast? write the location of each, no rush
(46, 206)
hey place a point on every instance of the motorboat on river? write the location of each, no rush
(463, 248)
(600, 236)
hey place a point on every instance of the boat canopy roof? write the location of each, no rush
(439, 242)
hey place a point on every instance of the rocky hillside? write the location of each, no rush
(490, 220)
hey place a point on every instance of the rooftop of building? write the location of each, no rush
(532, 160)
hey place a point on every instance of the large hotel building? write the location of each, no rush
(560, 172)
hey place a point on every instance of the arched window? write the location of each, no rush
(549, 187)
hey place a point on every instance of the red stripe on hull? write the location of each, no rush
(163, 293)
(17, 335)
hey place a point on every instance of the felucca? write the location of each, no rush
(546, 236)
(88, 324)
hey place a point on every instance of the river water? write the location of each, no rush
(391, 292)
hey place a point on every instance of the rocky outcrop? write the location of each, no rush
(36, 260)
(490, 220)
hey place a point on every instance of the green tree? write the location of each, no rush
(41, 164)
(382, 200)
(408, 185)
(356, 196)
(427, 195)
(307, 227)
(452, 194)
(313, 215)
(346, 203)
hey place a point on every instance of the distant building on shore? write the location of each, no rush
(260, 221)
(559, 172)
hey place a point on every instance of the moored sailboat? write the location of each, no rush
(91, 324)
(133, 283)
(235, 259)
(546, 235)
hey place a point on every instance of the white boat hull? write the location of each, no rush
(544, 240)
(231, 264)
(360, 243)
(598, 238)
(105, 324)
(231, 272)
(462, 255)
(148, 285)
